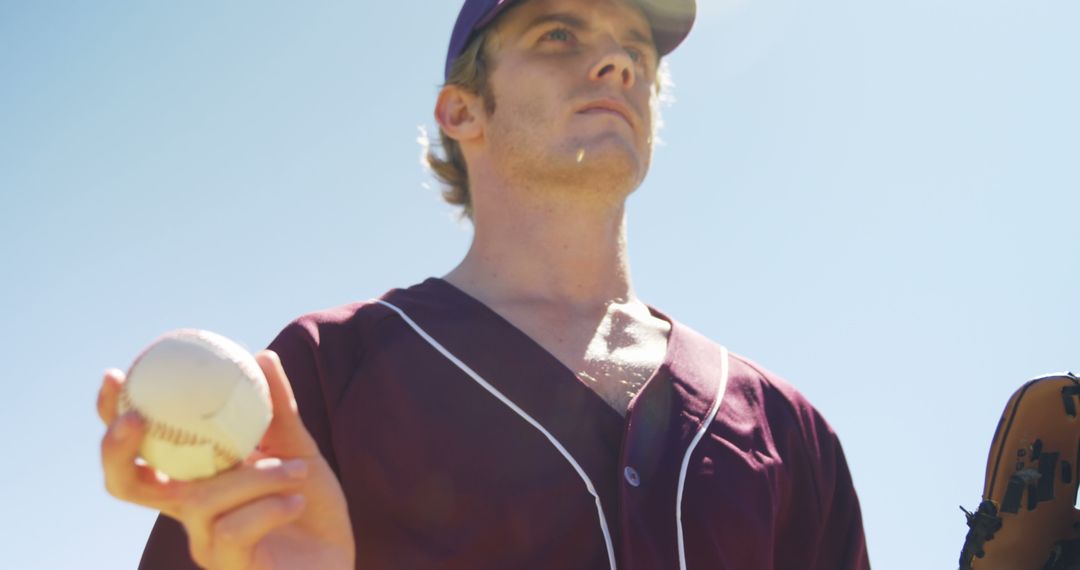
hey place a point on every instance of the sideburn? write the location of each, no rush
(488, 96)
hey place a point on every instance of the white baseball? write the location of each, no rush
(204, 399)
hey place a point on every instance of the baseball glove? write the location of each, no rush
(1028, 519)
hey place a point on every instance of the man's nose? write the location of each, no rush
(616, 66)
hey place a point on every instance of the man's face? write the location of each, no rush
(572, 82)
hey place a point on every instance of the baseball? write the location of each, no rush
(204, 399)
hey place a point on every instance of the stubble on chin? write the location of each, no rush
(603, 164)
(576, 169)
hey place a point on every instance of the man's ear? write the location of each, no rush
(460, 113)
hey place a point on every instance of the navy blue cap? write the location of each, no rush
(671, 21)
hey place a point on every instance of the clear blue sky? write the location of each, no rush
(877, 200)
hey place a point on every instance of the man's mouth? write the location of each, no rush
(609, 107)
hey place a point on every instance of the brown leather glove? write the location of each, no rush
(1027, 519)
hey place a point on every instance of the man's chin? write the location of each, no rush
(606, 143)
(613, 156)
(605, 171)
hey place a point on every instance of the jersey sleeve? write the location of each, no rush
(842, 541)
(297, 346)
(826, 518)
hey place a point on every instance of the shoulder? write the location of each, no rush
(783, 403)
(350, 324)
(325, 343)
(328, 345)
(793, 430)
(324, 347)
(319, 326)
(755, 399)
(753, 394)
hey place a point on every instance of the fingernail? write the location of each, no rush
(268, 463)
(295, 468)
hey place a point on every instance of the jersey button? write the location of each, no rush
(632, 476)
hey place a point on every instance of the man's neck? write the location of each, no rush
(559, 254)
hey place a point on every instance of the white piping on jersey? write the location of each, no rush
(494, 392)
(720, 389)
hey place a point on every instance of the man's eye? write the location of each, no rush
(635, 55)
(559, 35)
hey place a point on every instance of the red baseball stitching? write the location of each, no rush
(177, 436)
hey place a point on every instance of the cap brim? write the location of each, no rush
(671, 21)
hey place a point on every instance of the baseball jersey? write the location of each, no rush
(461, 443)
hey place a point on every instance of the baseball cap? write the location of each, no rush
(671, 21)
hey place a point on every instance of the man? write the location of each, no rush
(527, 410)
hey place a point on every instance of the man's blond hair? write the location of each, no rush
(470, 71)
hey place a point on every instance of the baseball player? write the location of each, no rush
(526, 410)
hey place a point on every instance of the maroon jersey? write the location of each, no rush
(461, 443)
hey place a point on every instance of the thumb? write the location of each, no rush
(286, 436)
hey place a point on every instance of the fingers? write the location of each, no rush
(109, 395)
(286, 435)
(194, 500)
(208, 498)
(206, 501)
(119, 448)
(281, 394)
(237, 533)
(123, 478)
(235, 496)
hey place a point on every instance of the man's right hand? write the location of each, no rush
(281, 509)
